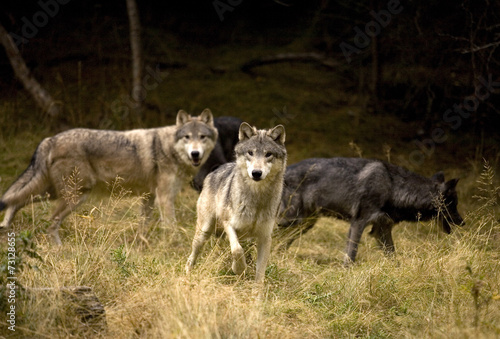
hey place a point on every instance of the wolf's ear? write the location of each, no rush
(438, 177)
(246, 131)
(182, 117)
(450, 185)
(207, 117)
(277, 134)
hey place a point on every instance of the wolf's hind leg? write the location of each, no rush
(62, 211)
(286, 235)
(9, 215)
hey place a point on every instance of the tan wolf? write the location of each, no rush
(243, 197)
(151, 162)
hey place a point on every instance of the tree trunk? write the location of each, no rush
(376, 69)
(375, 79)
(135, 44)
(41, 96)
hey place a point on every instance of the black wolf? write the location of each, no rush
(365, 192)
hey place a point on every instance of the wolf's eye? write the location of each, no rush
(250, 153)
(269, 154)
(186, 137)
(202, 137)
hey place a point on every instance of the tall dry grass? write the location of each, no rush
(437, 285)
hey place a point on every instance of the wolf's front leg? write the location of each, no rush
(355, 231)
(263, 252)
(382, 231)
(167, 209)
(147, 207)
(204, 228)
(166, 193)
(239, 265)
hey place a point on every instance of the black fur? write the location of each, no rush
(223, 152)
(364, 192)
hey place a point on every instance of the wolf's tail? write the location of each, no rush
(32, 182)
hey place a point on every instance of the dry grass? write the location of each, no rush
(437, 286)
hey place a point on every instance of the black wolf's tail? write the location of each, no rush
(33, 181)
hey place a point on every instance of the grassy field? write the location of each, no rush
(437, 285)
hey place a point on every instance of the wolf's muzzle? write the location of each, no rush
(256, 175)
(195, 157)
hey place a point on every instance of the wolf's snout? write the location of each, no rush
(195, 155)
(256, 175)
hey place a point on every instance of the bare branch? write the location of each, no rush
(478, 48)
(43, 99)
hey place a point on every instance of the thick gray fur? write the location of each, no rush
(152, 163)
(243, 197)
(364, 192)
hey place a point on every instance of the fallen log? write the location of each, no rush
(82, 301)
(289, 57)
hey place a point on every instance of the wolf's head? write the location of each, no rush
(261, 154)
(195, 137)
(447, 202)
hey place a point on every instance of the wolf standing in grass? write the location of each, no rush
(364, 192)
(151, 162)
(243, 197)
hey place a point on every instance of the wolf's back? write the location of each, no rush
(33, 181)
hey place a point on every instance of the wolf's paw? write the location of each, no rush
(348, 262)
(239, 265)
(189, 266)
(55, 237)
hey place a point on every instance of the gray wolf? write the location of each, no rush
(151, 162)
(243, 197)
(364, 192)
(223, 151)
